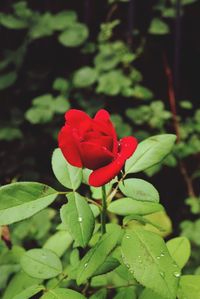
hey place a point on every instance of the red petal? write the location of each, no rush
(127, 146)
(103, 124)
(78, 119)
(105, 174)
(102, 114)
(69, 146)
(101, 140)
(94, 156)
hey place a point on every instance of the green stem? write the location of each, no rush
(103, 212)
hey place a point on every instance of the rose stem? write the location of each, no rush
(103, 212)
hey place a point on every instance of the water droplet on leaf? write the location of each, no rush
(177, 274)
(80, 219)
(162, 274)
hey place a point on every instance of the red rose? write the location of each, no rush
(92, 143)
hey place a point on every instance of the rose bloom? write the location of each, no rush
(92, 143)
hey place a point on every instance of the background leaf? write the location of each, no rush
(60, 293)
(41, 263)
(29, 292)
(18, 283)
(189, 287)
(19, 201)
(74, 35)
(84, 77)
(59, 242)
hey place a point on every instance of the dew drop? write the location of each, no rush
(177, 274)
(128, 266)
(158, 257)
(162, 274)
(127, 237)
(162, 254)
(85, 265)
(80, 219)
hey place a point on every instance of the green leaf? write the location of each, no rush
(85, 77)
(118, 278)
(157, 26)
(147, 258)
(22, 200)
(18, 283)
(11, 22)
(186, 105)
(127, 206)
(112, 82)
(6, 271)
(95, 210)
(148, 294)
(21, 10)
(41, 263)
(189, 287)
(9, 133)
(61, 85)
(184, 2)
(59, 242)
(180, 250)
(44, 100)
(142, 92)
(29, 292)
(101, 294)
(60, 104)
(63, 19)
(12, 256)
(109, 265)
(160, 223)
(141, 220)
(74, 35)
(78, 217)
(39, 115)
(42, 26)
(150, 152)
(68, 175)
(126, 293)
(139, 189)
(60, 293)
(96, 256)
(7, 80)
